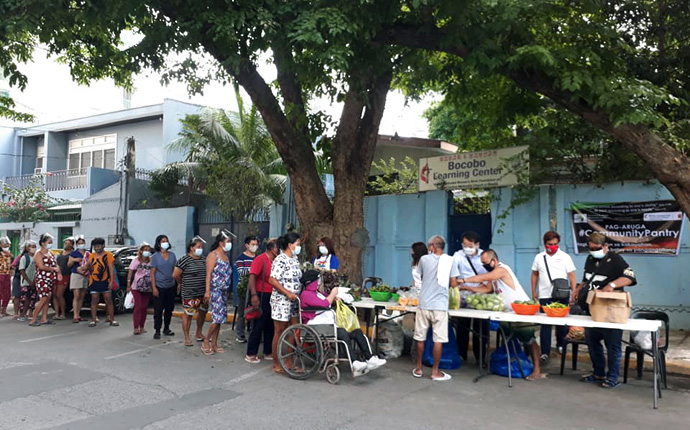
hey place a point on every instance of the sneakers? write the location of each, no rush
(240, 339)
(168, 332)
(359, 366)
(374, 362)
(544, 358)
(157, 335)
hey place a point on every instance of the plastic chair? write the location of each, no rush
(632, 347)
(576, 346)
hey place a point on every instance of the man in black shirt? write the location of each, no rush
(605, 271)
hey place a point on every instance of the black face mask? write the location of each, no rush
(488, 267)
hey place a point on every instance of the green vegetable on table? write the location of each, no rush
(526, 302)
(380, 288)
(487, 302)
(556, 305)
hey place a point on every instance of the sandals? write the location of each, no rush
(417, 375)
(208, 351)
(252, 360)
(219, 350)
(48, 323)
(608, 384)
(76, 321)
(592, 379)
(92, 324)
(445, 377)
(34, 324)
(114, 323)
(199, 339)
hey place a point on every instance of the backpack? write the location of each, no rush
(15, 266)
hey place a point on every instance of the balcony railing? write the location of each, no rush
(51, 181)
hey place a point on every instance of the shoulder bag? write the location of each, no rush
(560, 288)
(250, 312)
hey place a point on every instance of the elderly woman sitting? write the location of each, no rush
(312, 298)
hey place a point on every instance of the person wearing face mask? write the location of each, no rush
(326, 260)
(260, 293)
(101, 280)
(218, 282)
(47, 274)
(418, 251)
(190, 274)
(606, 271)
(27, 271)
(468, 262)
(5, 274)
(243, 263)
(163, 286)
(78, 280)
(285, 276)
(139, 284)
(553, 263)
(500, 279)
(65, 270)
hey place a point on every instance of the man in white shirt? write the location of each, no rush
(468, 263)
(502, 280)
(560, 266)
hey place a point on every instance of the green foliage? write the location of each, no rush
(395, 178)
(26, 204)
(164, 183)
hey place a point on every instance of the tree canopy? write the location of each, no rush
(620, 65)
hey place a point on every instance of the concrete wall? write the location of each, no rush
(57, 148)
(29, 149)
(99, 214)
(394, 224)
(176, 223)
(7, 151)
(99, 179)
(174, 111)
(517, 239)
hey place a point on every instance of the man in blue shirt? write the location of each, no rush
(242, 265)
(438, 274)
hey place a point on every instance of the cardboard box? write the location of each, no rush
(609, 307)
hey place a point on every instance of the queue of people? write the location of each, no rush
(481, 271)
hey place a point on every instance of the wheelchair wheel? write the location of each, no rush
(332, 373)
(300, 351)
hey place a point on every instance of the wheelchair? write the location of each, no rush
(307, 349)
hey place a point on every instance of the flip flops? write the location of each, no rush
(608, 384)
(591, 379)
(219, 350)
(541, 376)
(417, 375)
(252, 360)
(34, 324)
(208, 351)
(48, 323)
(445, 377)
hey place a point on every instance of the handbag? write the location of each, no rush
(560, 288)
(250, 312)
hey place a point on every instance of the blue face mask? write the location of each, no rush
(146, 254)
(198, 252)
(598, 254)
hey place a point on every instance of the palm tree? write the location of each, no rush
(231, 156)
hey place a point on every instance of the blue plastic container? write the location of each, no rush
(450, 358)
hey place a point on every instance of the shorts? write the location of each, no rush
(282, 309)
(99, 287)
(77, 282)
(65, 281)
(437, 320)
(16, 287)
(523, 332)
(194, 305)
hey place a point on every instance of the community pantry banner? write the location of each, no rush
(631, 227)
(482, 169)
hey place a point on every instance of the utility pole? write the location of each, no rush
(130, 172)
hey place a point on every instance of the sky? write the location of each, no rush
(52, 96)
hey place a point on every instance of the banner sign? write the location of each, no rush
(482, 169)
(631, 227)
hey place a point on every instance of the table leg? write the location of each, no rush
(655, 366)
(482, 373)
(234, 317)
(505, 342)
(376, 328)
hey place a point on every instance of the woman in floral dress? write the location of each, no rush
(47, 274)
(218, 281)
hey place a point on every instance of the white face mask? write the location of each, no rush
(6, 249)
(298, 249)
(146, 254)
(227, 247)
(165, 245)
(469, 250)
(253, 249)
(599, 254)
(49, 246)
(323, 250)
(198, 252)
(81, 246)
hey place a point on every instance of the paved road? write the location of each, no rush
(74, 377)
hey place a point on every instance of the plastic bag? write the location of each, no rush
(390, 338)
(450, 358)
(643, 339)
(129, 301)
(499, 361)
(344, 295)
(454, 298)
(345, 318)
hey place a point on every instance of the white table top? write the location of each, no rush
(574, 320)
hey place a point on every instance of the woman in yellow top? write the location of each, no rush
(101, 280)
